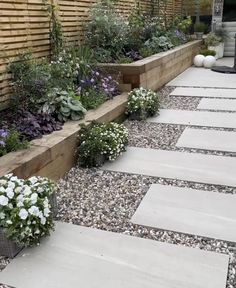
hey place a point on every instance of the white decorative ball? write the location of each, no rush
(209, 61)
(198, 60)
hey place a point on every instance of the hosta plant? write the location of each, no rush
(25, 210)
(100, 142)
(142, 103)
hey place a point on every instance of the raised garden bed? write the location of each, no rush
(155, 71)
(53, 155)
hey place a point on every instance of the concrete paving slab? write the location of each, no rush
(217, 104)
(204, 92)
(208, 140)
(196, 118)
(77, 256)
(203, 213)
(201, 77)
(193, 167)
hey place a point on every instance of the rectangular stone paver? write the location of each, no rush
(196, 118)
(176, 165)
(208, 140)
(77, 256)
(204, 92)
(203, 213)
(201, 77)
(217, 104)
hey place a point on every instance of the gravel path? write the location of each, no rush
(107, 201)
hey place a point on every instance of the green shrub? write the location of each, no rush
(212, 39)
(92, 99)
(11, 140)
(200, 27)
(142, 103)
(106, 31)
(207, 52)
(100, 142)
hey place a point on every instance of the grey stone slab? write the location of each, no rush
(176, 165)
(195, 212)
(217, 104)
(77, 256)
(196, 118)
(208, 140)
(201, 77)
(204, 92)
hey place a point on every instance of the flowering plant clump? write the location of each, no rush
(142, 103)
(25, 209)
(100, 142)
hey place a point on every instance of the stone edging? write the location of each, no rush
(53, 155)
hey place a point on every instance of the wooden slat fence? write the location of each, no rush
(24, 24)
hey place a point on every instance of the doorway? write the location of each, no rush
(229, 12)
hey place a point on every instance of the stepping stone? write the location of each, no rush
(195, 118)
(185, 210)
(217, 104)
(77, 256)
(208, 140)
(204, 92)
(201, 168)
(200, 77)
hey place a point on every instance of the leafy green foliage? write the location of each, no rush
(207, 52)
(142, 103)
(100, 142)
(212, 39)
(12, 141)
(200, 27)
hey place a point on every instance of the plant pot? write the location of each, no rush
(219, 49)
(9, 248)
(199, 35)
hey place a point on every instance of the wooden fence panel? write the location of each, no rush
(24, 24)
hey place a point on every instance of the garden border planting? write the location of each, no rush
(53, 155)
(155, 71)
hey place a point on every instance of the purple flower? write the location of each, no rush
(3, 133)
(2, 143)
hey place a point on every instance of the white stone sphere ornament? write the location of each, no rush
(209, 61)
(198, 60)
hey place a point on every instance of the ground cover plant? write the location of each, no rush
(25, 209)
(142, 103)
(117, 39)
(100, 142)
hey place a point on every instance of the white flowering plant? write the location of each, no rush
(25, 210)
(100, 142)
(142, 103)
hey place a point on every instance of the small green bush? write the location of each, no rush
(207, 52)
(142, 103)
(212, 39)
(200, 27)
(11, 140)
(100, 142)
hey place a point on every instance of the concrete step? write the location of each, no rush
(76, 256)
(204, 92)
(195, 167)
(190, 211)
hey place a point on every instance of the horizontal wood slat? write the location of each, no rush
(24, 24)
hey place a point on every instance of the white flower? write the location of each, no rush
(18, 189)
(20, 198)
(46, 212)
(34, 210)
(2, 190)
(3, 200)
(10, 193)
(33, 180)
(34, 198)
(43, 220)
(14, 178)
(11, 185)
(40, 190)
(20, 204)
(27, 190)
(23, 214)
(3, 182)
(9, 222)
(2, 215)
